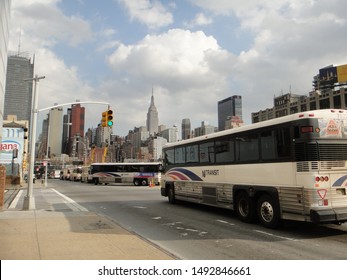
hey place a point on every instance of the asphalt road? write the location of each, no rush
(194, 232)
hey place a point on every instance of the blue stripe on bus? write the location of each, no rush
(340, 181)
(192, 176)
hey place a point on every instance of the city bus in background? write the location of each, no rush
(137, 173)
(288, 168)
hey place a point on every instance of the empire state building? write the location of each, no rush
(152, 118)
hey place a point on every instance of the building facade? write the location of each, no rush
(204, 129)
(186, 129)
(55, 131)
(18, 92)
(229, 107)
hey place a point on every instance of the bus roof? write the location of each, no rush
(126, 163)
(303, 115)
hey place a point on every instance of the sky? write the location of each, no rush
(189, 53)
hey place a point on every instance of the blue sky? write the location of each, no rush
(192, 53)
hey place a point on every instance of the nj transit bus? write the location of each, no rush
(137, 173)
(289, 168)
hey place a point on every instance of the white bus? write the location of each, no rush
(137, 173)
(288, 168)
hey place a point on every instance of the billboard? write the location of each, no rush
(342, 73)
(12, 139)
(329, 76)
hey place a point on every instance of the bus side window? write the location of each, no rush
(192, 154)
(180, 155)
(169, 157)
(267, 144)
(224, 151)
(283, 142)
(206, 152)
(247, 148)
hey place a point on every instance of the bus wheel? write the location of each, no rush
(136, 182)
(268, 212)
(245, 208)
(144, 182)
(171, 194)
(96, 181)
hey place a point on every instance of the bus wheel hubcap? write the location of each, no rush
(267, 211)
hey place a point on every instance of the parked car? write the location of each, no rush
(55, 174)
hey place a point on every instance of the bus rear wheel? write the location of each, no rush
(245, 208)
(171, 194)
(268, 211)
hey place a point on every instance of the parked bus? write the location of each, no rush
(288, 168)
(139, 173)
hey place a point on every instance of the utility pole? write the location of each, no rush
(29, 201)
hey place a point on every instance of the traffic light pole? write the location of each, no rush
(29, 201)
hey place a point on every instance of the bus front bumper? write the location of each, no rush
(336, 215)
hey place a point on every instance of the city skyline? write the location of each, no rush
(191, 52)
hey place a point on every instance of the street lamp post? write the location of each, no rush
(29, 201)
(47, 150)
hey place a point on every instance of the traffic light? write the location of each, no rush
(109, 117)
(104, 119)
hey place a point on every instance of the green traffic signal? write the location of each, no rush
(109, 118)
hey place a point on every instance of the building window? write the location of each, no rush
(324, 103)
(337, 102)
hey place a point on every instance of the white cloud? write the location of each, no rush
(151, 13)
(43, 20)
(181, 66)
(200, 19)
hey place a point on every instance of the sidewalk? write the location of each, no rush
(61, 230)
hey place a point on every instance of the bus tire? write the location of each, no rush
(245, 208)
(144, 182)
(171, 194)
(268, 211)
(96, 181)
(136, 182)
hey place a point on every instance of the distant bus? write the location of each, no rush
(293, 168)
(138, 173)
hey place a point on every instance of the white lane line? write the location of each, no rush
(15, 200)
(278, 236)
(73, 205)
(225, 222)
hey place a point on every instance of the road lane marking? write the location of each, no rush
(73, 205)
(225, 222)
(15, 200)
(278, 236)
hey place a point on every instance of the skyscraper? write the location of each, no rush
(186, 129)
(152, 118)
(229, 107)
(55, 131)
(18, 92)
(77, 120)
(73, 125)
(5, 7)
